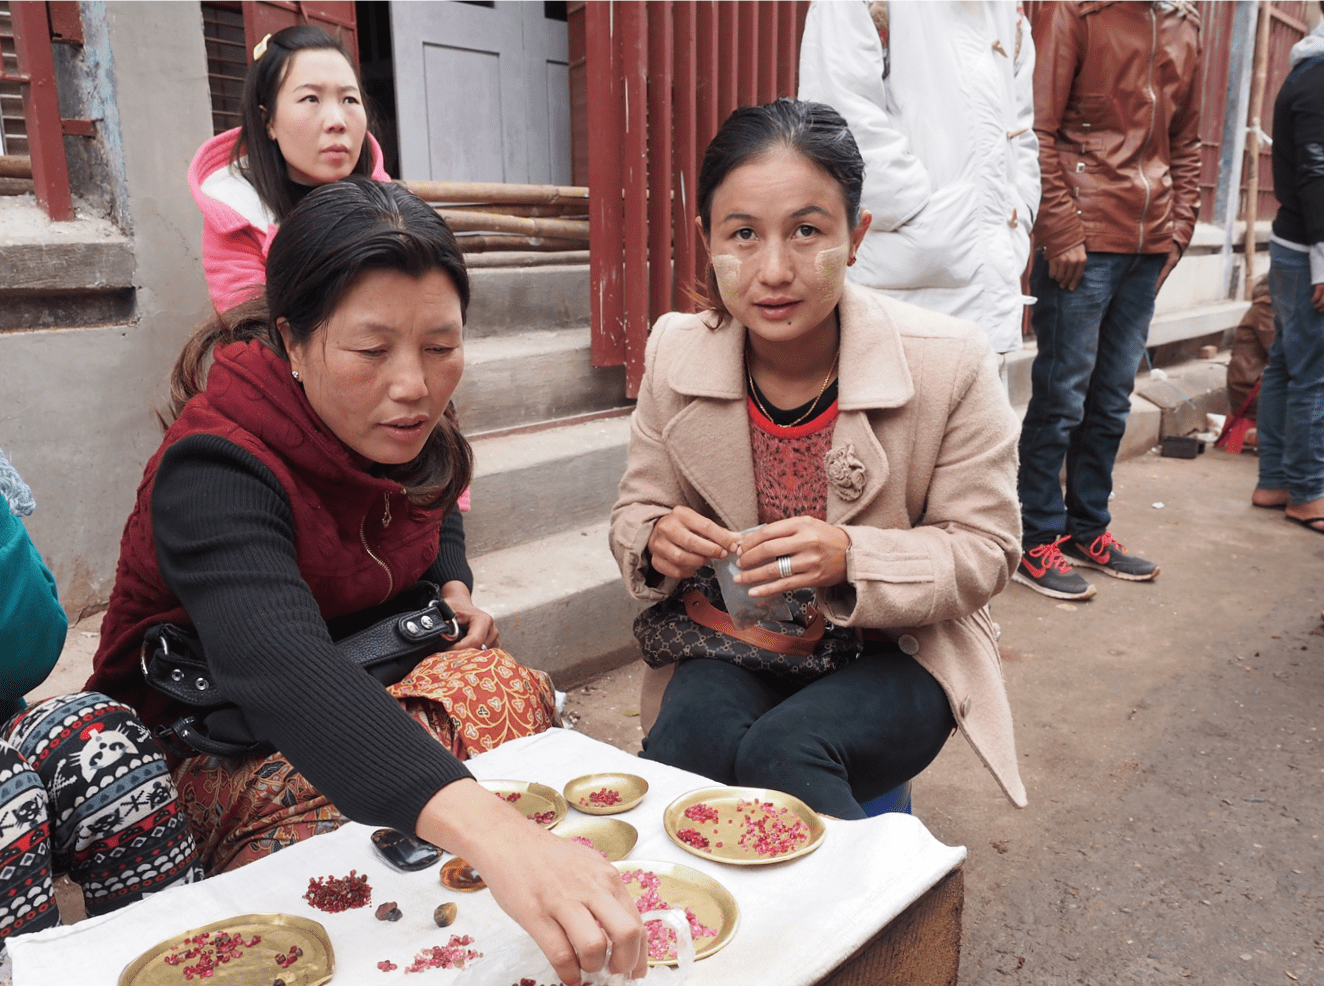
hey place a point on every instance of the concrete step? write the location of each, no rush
(529, 485)
(560, 604)
(526, 299)
(526, 377)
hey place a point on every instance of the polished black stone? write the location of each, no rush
(403, 851)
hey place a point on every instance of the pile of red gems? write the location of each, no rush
(452, 955)
(692, 837)
(210, 949)
(544, 817)
(525, 982)
(602, 799)
(512, 797)
(584, 841)
(334, 894)
(767, 834)
(287, 959)
(701, 813)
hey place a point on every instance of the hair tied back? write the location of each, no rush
(260, 48)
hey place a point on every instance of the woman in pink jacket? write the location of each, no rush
(305, 124)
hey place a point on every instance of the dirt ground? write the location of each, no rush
(1169, 739)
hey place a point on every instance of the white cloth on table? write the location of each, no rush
(798, 920)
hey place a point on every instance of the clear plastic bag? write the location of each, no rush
(744, 611)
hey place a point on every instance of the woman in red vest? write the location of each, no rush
(311, 472)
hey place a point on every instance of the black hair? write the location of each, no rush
(815, 130)
(257, 155)
(336, 234)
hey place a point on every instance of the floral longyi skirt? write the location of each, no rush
(469, 701)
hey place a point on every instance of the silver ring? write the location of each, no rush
(784, 566)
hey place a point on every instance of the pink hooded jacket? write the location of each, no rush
(237, 227)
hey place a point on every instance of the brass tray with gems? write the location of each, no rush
(611, 836)
(586, 793)
(278, 934)
(753, 826)
(533, 800)
(711, 903)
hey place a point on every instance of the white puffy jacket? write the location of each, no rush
(951, 159)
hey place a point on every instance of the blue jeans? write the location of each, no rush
(1091, 341)
(836, 743)
(1291, 415)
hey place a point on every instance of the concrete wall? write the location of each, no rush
(76, 404)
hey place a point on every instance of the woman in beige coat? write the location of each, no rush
(874, 444)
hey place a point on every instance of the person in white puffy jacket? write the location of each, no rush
(944, 115)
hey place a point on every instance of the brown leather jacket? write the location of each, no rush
(1116, 108)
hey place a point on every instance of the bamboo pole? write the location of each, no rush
(545, 244)
(15, 166)
(566, 210)
(1257, 86)
(462, 221)
(475, 191)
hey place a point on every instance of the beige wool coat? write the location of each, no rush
(922, 476)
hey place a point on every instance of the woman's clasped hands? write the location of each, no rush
(683, 541)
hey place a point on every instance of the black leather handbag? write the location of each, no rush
(387, 641)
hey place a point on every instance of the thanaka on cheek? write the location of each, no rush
(726, 269)
(830, 268)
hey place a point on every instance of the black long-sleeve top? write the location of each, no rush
(225, 545)
(1298, 155)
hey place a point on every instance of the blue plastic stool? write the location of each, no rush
(897, 799)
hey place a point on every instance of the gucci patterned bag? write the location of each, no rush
(693, 622)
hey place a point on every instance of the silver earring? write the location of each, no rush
(295, 374)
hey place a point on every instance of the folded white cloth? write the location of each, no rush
(798, 920)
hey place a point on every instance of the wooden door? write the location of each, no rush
(482, 92)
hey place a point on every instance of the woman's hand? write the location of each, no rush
(817, 552)
(569, 899)
(478, 627)
(683, 541)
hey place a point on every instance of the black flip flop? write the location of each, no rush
(1307, 522)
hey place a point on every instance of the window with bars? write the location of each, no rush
(13, 126)
(227, 62)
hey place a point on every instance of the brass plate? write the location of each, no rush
(683, 887)
(256, 965)
(630, 787)
(534, 798)
(612, 836)
(730, 823)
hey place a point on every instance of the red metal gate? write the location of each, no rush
(661, 77)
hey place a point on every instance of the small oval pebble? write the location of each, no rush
(444, 915)
(388, 912)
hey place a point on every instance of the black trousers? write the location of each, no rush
(835, 743)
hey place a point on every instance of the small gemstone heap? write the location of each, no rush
(207, 951)
(334, 894)
(602, 799)
(453, 955)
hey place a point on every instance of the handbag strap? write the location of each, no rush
(704, 613)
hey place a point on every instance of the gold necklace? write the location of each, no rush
(754, 393)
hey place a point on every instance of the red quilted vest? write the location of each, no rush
(343, 517)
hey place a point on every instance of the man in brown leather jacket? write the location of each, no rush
(1117, 114)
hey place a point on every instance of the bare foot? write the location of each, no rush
(1313, 510)
(1269, 498)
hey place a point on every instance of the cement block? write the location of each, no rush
(1142, 428)
(1186, 396)
(527, 299)
(519, 379)
(560, 604)
(529, 486)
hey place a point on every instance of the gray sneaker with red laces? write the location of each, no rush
(1107, 555)
(1045, 571)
